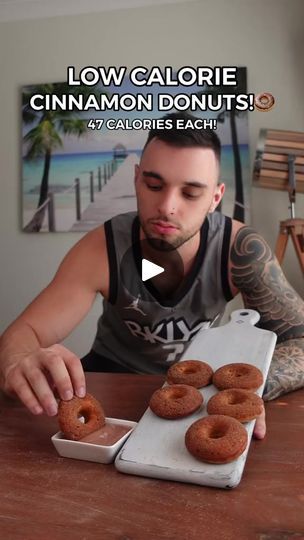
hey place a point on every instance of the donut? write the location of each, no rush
(70, 412)
(192, 372)
(264, 101)
(216, 439)
(238, 375)
(175, 401)
(236, 402)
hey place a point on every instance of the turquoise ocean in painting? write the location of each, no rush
(66, 167)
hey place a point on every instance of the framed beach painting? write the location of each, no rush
(78, 165)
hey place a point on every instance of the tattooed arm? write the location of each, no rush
(256, 273)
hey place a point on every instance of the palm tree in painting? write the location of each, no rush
(45, 136)
(240, 88)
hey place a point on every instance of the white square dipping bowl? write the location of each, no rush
(89, 451)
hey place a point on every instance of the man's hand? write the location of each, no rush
(34, 376)
(259, 431)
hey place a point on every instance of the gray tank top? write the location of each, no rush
(149, 333)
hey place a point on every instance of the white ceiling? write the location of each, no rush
(17, 10)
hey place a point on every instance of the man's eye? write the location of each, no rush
(190, 195)
(153, 188)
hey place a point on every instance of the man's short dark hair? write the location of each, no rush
(189, 137)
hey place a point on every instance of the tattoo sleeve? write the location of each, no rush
(258, 276)
(286, 371)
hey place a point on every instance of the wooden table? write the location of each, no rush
(46, 497)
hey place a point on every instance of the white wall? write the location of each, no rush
(264, 35)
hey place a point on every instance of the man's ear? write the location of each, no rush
(217, 196)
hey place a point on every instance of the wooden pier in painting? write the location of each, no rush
(117, 196)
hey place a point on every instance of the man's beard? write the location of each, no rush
(160, 244)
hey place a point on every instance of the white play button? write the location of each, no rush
(149, 269)
(158, 280)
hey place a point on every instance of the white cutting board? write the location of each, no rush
(156, 448)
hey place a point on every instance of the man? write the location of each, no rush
(178, 189)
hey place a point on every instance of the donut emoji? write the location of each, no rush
(264, 101)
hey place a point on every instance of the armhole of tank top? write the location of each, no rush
(112, 262)
(225, 259)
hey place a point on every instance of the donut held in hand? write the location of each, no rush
(70, 414)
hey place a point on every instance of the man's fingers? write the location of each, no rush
(71, 379)
(57, 372)
(23, 390)
(37, 376)
(260, 426)
(40, 386)
(77, 375)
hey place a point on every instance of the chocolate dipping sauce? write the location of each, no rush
(107, 435)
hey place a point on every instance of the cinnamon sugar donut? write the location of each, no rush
(238, 375)
(175, 401)
(216, 439)
(192, 372)
(236, 402)
(264, 101)
(70, 412)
